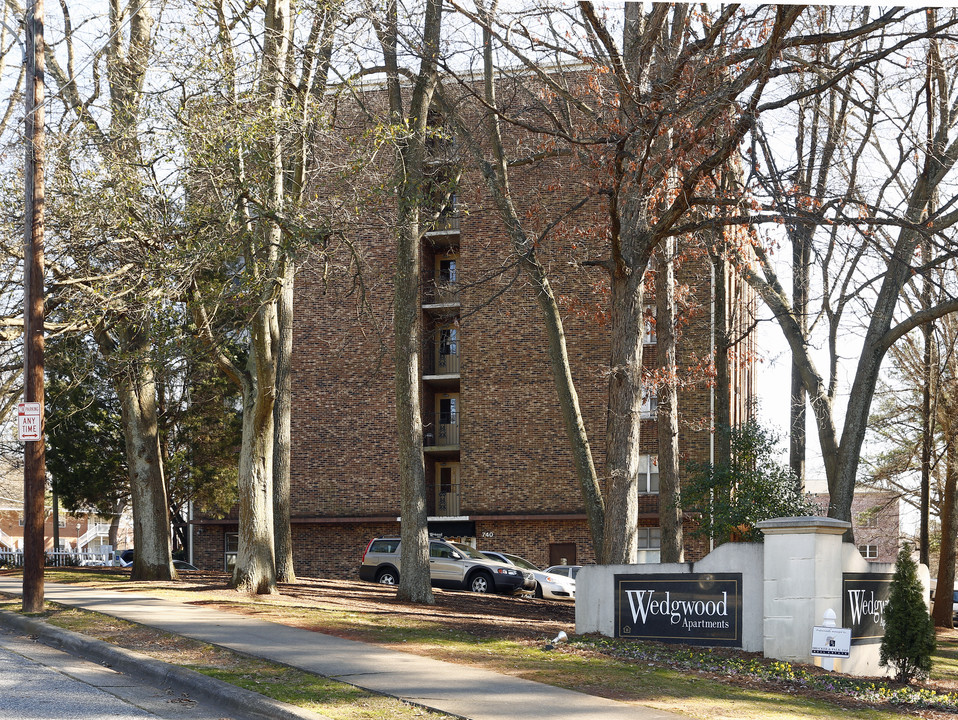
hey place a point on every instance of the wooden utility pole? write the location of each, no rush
(34, 463)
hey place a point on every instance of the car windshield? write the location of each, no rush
(469, 552)
(520, 562)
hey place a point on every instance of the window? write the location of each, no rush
(447, 410)
(231, 541)
(649, 335)
(436, 550)
(648, 474)
(650, 538)
(388, 545)
(650, 403)
(20, 520)
(446, 270)
(869, 552)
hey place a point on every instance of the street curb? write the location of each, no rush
(225, 696)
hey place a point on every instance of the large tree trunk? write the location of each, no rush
(667, 420)
(801, 260)
(414, 576)
(624, 417)
(569, 406)
(281, 437)
(412, 192)
(255, 569)
(136, 390)
(118, 509)
(943, 611)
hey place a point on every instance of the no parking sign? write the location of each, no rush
(28, 421)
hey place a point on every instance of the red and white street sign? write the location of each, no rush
(28, 421)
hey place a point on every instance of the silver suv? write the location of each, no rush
(451, 565)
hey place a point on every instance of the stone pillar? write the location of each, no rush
(803, 578)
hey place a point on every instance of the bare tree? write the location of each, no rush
(871, 231)
(102, 280)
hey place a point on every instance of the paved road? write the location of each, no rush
(38, 682)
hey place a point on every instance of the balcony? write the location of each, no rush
(441, 361)
(440, 294)
(442, 150)
(447, 222)
(448, 500)
(440, 431)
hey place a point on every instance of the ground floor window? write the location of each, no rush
(650, 538)
(231, 547)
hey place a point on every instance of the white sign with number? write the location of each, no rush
(28, 421)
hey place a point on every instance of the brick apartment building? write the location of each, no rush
(498, 465)
(876, 522)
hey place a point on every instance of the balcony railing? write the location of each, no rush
(440, 429)
(446, 222)
(441, 292)
(448, 501)
(439, 362)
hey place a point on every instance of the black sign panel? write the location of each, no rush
(697, 609)
(864, 597)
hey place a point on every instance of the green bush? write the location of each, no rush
(730, 499)
(909, 639)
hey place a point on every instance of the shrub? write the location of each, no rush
(909, 639)
(755, 486)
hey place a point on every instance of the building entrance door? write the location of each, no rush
(562, 554)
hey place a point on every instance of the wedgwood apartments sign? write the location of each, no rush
(864, 597)
(698, 609)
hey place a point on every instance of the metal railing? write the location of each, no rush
(448, 501)
(441, 292)
(440, 363)
(59, 558)
(446, 222)
(440, 429)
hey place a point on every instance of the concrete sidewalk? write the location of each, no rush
(459, 690)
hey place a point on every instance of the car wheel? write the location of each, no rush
(481, 583)
(387, 577)
(538, 591)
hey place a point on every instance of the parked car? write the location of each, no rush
(569, 571)
(550, 586)
(451, 565)
(184, 566)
